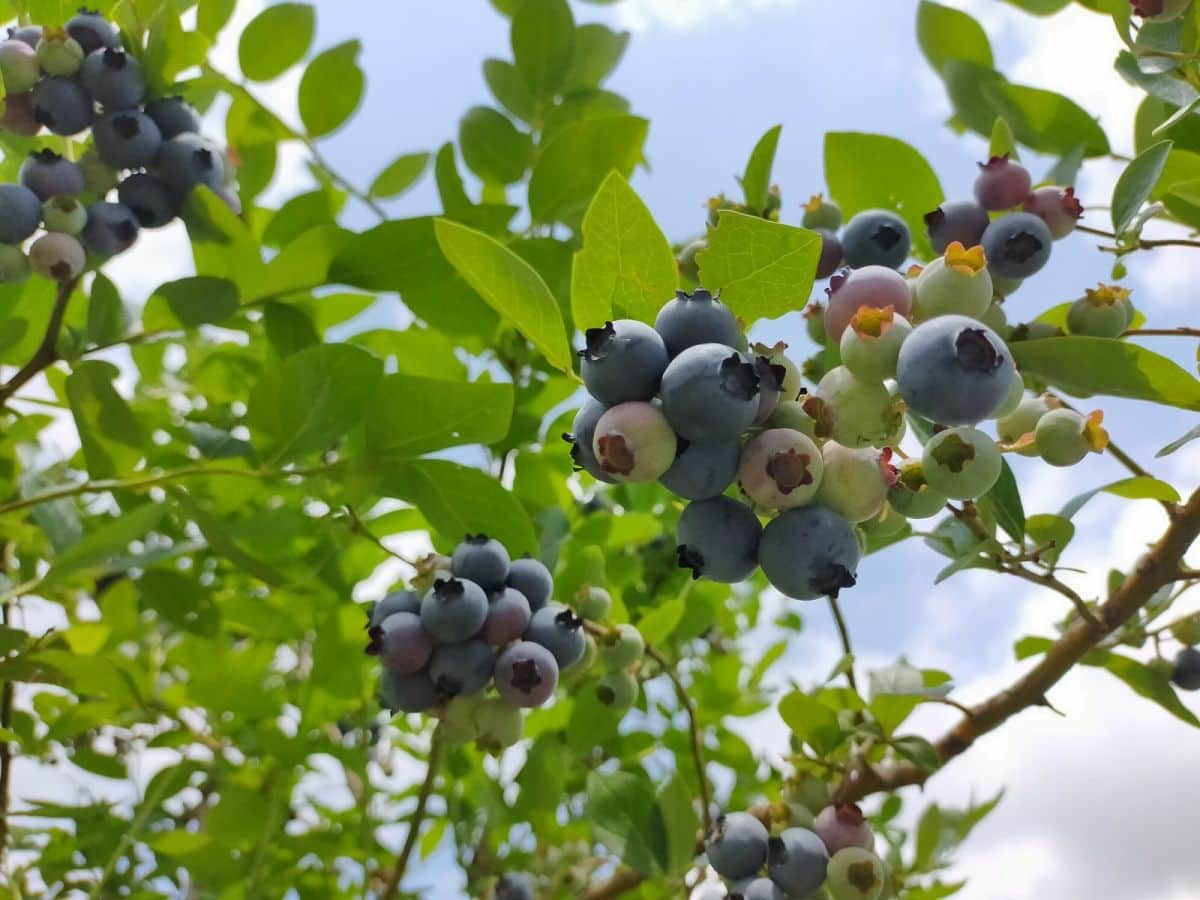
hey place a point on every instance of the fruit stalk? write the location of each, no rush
(396, 874)
(47, 351)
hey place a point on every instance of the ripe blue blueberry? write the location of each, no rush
(696, 318)
(874, 286)
(462, 669)
(188, 160)
(557, 628)
(20, 213)
(401, 643)
(718, 539)
(755, 889)
(876, 237)
(112, 228)
(954, 370)
(701, 471)
(797, 861)
(93, 31)
(1186, 674)
(26, 34)
(526, 674)
(128, 139)
(48, 174)
(964, 221)
(407, 693)
(623, 361)
(173, 116)
(149, 198)
(634, 442)
(532, 579)
(507, 617)
(831, 253)
(515, 886)
(809, 552)
(397, 601)
(481, 559)
(1017, 245)
(113, 78)
(62, 106)
(737, 845)
(581, 437)
(454, 609)
(710, 393)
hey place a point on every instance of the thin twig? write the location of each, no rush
(685, 700)
(1141, 244)
(394, 877)
(47, 351)
(1163, 332)
(6, 753)
(844, 633)
(1049, 581)
(624, 880)
(356, 526)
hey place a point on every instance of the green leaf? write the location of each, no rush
(624, 814)
(331, 89)
(625, 267)
(660, 623)
(873, 171)
(222, 245)
(510, 286)
(401, 174)
(919, 751)
(492, 147)
(811, 721)
(1176, 444)
(311, 401)
(1139, 487)
(1136, 183)
(1046, 121)
(1004, 503)
(1145, 681)
(412, 415)
(1045, 528)
(598, 50)
(106, 313)
(276, 39)
(543, 43)
(575, 163)
(110, 540)
(1002, 142)
(507, 86)
(1041, 7)
(458, 500)
(681, 823)
(1089, 365)
(190, 303)
(756, 181)
(763, 269)
(110, 434)
(946, 34)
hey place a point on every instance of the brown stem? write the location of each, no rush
(844, 633)
(624, 880)
(1049, 581)
(6, 758)
(1141, 244)
(47, 351)
(357, 526)
(1163, 332)
(1155, 569)
(392, 883)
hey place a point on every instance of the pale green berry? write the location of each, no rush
(57, 256)
(64, 214)
(1187, 631)
(687, 260)
(855, 874)
(618, 690)
(14, 264)
(814, 323)
(59, 54)
(996, 319)
(957, 283)
(854, 412)
(1103, 312)
(871, 343)
(622, 647)
(1012, 400)
(963, 463)
(1022, 421)
(458, 719)
(856, 481)
(791, 414)
(1064, 436)
(594, 603)
(98, 177)
(885, 524)
(911, 495)
(498, 724)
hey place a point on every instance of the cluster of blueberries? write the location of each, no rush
(836, 853)
(66, 81)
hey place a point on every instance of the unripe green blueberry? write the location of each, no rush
(855, 874)
(810, 792)
(1103, 312)
(1187, 631)
(1022, 421)
(64, 214)
(885, 524)
(814, 322)
(591, 653)
(1016, 393)
(458, 719)
(14, 264)
(622, 647)
(791, 414)
(911, 495)
(871, 343)
(634, 442)
(995, 318)
(856, 481)
(854, 412)
(57, 256)
(821, 213)
(618, 690)
(780, 468)
(1005, 287)
(499, 724)
(792, 382)
(58, 53)
(98, 177)
(957, 283)
(1064, 436)
(687, 260)
(962, 462)
(594, 603)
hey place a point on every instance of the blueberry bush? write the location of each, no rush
(211, 502)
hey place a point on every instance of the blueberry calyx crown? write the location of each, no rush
(476, 540)
(975, 352)
(994, 162)
(526, 676)
(1022, 246)
(690, 558)
(598, 342)
(448, 589)
(126, 126)
(45, 156)
(836, 280)
(739, 378)
(830, 578)
(567, 620)
(616, 455)
(885, 237)
(849, 814)
(770, 375)
(576, 451)
(789, 469)
(1071, 203)
(699, 295)
(934, 218)
(115, 59)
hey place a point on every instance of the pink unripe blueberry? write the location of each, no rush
(634, 442)
(875, 286)
(1057, 207)
(780, 468)
(843, 825)
(18, 66)
(1002, 184)
(855, 483)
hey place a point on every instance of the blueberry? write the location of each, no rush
(964, 221)
(1016, 393)
(771, 377)
(876, 237)
(875, 286)
(28, 34)
(1187, 630)
(856, 481)
(617, 690)
(581, 437)
(701, 471)
(14, 264)
(57, 256)
(515, 886)
(1186, 674)
(1004, 288)
(911, 495)
(710, 393)
(1064, 437)
(401, 643)
(454, 609)
(995, 318)
(93, 31)
(18, 115)
(407, 693)
(149, 198)
(622, 647)
(526, 674)
(791, 384)
(623, 361)
(696, 318)
(797, 861)
(855, 874)
(956, 283)
(112, 228)
(755, 889)
(532, 579)
(99, 178)
(634, 441)
(688, 267)
(595, 603)
(18, 66)
(842, 825)
(870, 345)
(59, 54)
(954, 370)
(821, 214)
(961, 463)
(809, 552)
(1103, 312)
(188, 160)
(62, 106)
(557, 628)
(1017, 245)
(127, 139)
(791, 414)
(481, 559)
(113, 78)
(831, 253)
(737, 845)
(854, 411)
(718, 539)
(397, 601)
(48, 174)
(499, 724)
(1057, 207)
(20, 213)
(1002, 184)
(462, 669)
(780, 468)
(173, 116)
(507, 617)
(814, 322)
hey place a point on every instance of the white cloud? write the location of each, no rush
(640, 15)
